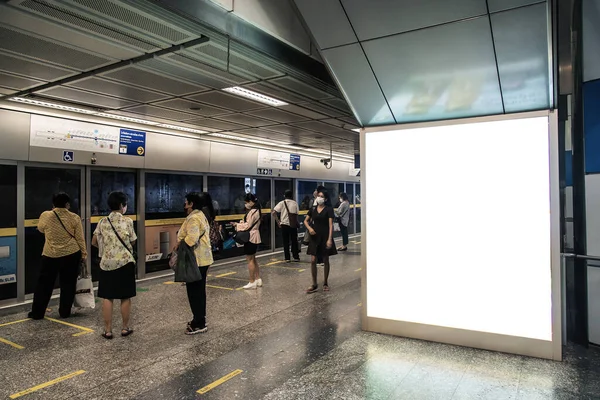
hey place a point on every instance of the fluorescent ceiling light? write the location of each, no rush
(181, 128)
(51, 105)
(249, 94)
(128, 119)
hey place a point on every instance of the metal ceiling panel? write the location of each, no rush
(521, 40)
(104, 86)
(216, 124)
(245, 119)
(326, 129)
(186, 105)
(323, 109)
(41, 49)
(225, 100)
(339, 104)
(138, 116)
(17, 82)
(300, 87)
(334, 122)
(303, 111)
(263, 134)
(65, 16)
(291, 130)
(165, 66)
(158, 112)
(278, 115)
(32, 69)
(451, 72)
(350, 120)
(327, 22)
(377, 18)
(146, 79)
(5, 91)
(500, 5)
(83, 97)
(276, 92)
(207, 69)
(217, 54)
(354, 74)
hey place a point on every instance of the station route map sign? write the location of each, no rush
(278, 160)
(64, 134)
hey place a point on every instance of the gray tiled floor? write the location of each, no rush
(289, 345)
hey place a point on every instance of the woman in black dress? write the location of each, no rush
(319, 224)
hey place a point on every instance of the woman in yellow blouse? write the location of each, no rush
(64, 249)
(195, 231)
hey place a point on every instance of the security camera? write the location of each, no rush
(325, 161)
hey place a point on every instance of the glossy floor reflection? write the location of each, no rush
(273, 343)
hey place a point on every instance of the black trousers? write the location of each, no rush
(290, 235)
(67, 269)
(196, 292)
(344, 231)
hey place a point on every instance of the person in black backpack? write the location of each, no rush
(288, 209)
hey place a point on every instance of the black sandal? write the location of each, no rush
(126, 332)
(107, 335)
(312, 289)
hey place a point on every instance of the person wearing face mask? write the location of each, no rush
(343, 215)
(195, 232)
(117, 263)
(319, 224)
(251, 222)
(318, 190)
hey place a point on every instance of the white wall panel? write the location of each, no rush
(592, 199)
(14, 135)
(176, 153)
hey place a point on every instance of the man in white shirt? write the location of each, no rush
(288, 209)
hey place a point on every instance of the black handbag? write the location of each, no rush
(243, 237)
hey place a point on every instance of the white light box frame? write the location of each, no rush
(461, 237)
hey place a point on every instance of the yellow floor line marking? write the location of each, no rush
(82, 333)
(8, 342)
(273, 263)
(234, 279)
(301, 270)
(359, 305)
(15, 322)
(81, 328)
(356, 270)
(220, 381)
(226, 274)
(45, 385)
(169, 283)
(219, 287)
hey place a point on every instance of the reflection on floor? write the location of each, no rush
(272, 343)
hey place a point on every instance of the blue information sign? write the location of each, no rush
(294, 162)
(132, 143)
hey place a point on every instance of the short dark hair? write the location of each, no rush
(288, 194)
(193, 198)
(320, 188)
(344, 196)
(60, 200)
(116, 200)
(325, 196)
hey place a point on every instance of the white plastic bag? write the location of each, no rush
(84, 293)
(336, 227)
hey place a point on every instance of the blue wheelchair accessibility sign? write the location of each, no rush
(68, 156)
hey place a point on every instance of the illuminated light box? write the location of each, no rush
(461, 241)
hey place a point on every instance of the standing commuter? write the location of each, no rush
(318, 190)
(288, 223)
(343, 217)
(319, 224)
(195, 231)
(116, 237)
(64, 249)
(251, 222)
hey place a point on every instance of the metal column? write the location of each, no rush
(20, 232)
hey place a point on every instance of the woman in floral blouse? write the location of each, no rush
(195, 231)
(115, 238)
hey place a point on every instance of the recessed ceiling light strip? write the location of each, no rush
(124, 118)
(252, 95)
(51, 105)
(181, 128)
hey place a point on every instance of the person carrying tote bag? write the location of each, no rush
(248, 233)
(195, 252)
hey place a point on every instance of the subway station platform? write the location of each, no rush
(273, 343)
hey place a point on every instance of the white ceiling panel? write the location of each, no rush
(84, 97)
(111, 88)
(192, 107)
(146, 79)
(32, 69)
(159, 112)
(17, 82)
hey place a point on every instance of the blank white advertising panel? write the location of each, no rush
(458, 226)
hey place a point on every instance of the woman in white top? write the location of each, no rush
(251, 222)
(115, 238)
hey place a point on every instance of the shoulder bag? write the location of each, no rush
(132, 252)
(292, 217)
(243, 237)
(82, 266)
